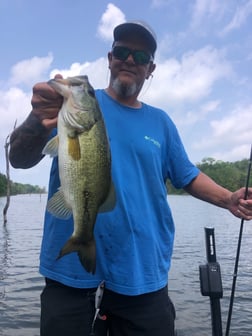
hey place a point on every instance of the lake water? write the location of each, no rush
(21, 284)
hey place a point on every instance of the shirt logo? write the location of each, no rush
(155, 142)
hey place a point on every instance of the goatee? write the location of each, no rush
(124, 90)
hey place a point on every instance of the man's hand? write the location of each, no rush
(46, 103)
(242, 208)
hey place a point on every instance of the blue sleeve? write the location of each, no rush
(180, 170)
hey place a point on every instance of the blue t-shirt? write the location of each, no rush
(134, 241)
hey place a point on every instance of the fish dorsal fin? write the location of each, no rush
(74, 148)
(110, 201)
(57, 206)
(52, 146)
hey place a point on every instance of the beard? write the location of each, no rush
(124, 90)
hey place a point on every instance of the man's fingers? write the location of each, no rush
(50, 123)
(59, 76)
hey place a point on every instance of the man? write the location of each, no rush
(135, 240)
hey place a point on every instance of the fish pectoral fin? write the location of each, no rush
(52, 146)
(58, 207)
(74, 148)
(86, 252)
(110, 201)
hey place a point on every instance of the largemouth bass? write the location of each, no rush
(84, 159)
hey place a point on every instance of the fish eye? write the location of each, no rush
(91, 92)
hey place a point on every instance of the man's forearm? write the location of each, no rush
(27, 142)
(204, 188)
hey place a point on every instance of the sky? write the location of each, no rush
(203, 76)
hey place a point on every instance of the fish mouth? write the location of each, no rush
(77, 80)
(63, 81)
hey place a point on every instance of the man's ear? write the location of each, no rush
(152, 67)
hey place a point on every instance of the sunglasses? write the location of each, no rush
(140, 57)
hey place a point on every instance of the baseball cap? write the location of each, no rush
(136, 28)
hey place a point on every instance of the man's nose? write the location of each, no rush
(130, 59)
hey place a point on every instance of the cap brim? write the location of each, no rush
(125, 30)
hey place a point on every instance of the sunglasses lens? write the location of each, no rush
(141, 57)
(122, 53)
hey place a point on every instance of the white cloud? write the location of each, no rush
(15, 105)
(210, 106)
(170, 43)
(31, 70)
(15, 102)
(97, 72)
(208, 14)
(205, 9)
(194, 116)
(229, 138)
(189, 80)
(237, 126)
(111, 18)
(239, 18)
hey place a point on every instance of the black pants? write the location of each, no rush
(67, 311)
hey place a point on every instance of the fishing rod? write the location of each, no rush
(238, 252)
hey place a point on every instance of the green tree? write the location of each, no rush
(3, 184)
(231, 175)
(19, 188)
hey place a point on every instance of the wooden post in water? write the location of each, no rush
(8, 181)
(6, 148)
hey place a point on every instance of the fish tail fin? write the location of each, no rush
(86, 253)
(87, 256)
